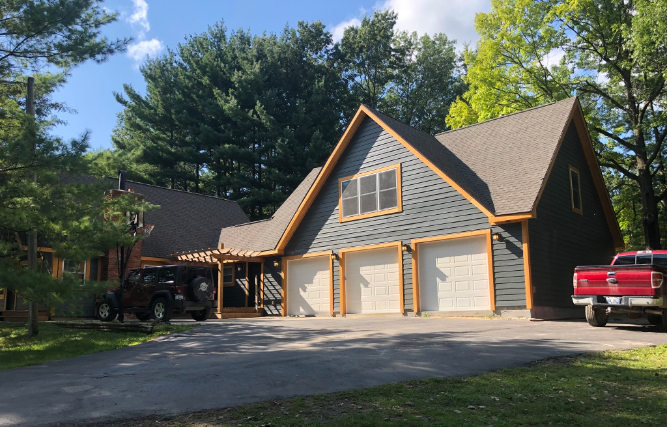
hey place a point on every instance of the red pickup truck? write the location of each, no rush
(633, 284)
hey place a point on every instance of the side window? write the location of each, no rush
(167, 275)
(133, 277)
(576, 195)
(644, 259)
(149, 275)
(228, 273)
(659, 259)
(370, 193)
(625, 260)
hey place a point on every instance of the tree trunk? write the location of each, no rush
(650, 208)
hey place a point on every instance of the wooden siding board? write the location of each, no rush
(508, 266)
(431, 207)
(561, 239)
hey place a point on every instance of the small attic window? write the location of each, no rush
(576, 194)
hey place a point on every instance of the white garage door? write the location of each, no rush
(308, 286)
(372, 281)
(454, 275)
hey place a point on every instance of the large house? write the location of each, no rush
(490, 218)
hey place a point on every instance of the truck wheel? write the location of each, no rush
(596, 316)
(201, 315)
(143, 317)
(161, 310)
(105, 311)
(656, 319)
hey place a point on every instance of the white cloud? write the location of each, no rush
(553, 58)
(139, 21)
(139, 51)
(337, 31)
(139, 17)
(455, 18)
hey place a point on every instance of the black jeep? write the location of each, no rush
(159, 292)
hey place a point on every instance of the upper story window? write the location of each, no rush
(576, 194)
(368, 194)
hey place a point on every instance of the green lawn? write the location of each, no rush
(55, 342)
(615, 388)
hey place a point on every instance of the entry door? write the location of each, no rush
(453, 275)
(372, 281)
(309, 286)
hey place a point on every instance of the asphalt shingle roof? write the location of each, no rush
(264, 235)
(501, 163)
(185, 221)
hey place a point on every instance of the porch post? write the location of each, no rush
(220, 287)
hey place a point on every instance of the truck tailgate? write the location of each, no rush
(615, 280)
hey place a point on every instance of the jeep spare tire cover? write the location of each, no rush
(201, 289)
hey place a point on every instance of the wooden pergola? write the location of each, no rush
(222, 256)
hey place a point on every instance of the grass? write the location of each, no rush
(54, 342)
(615, 388)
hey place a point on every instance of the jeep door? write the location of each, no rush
(132, 288)
(148, 287)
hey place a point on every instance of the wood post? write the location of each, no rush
(220, 287)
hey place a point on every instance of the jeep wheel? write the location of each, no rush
(596, 316)
(201, 315)
(161, 310)
(105, 311)
(143, 317)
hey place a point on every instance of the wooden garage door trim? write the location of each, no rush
(284, 277)
(342, 269)
(415, 244)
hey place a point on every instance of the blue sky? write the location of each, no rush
(158, 25)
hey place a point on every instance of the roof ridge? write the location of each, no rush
(503, 116)
(174, 189)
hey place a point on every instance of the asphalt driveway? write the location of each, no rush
(232, 363)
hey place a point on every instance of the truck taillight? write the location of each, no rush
(657, 279)
(575, 280)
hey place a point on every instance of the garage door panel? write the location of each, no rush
(372, 281)
(308, 286)
(454, 275)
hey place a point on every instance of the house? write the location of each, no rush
(491, 218)
(178, 226)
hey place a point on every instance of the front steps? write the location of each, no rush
(238, 313)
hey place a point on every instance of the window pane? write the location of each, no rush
(659, 259)
(368, 184)
(167, 274)
(368, 203)
(149, 275)
(349, 188)
(350, 207)
(227, 274)
(626, 260)
(388, 199)
(133, 278)
(387, 179)
(575, 183)
(644, 259)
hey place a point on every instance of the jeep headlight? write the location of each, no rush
(179, 297)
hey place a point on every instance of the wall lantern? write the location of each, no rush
(334, 256)
(276, 263)
(498, 237)
(406, 248)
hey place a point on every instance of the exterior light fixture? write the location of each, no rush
(334, 256)
(276, 263)
(498, 237)
(406, 248)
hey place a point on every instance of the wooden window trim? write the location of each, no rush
(399, 207)
(570, 180)
(284, 278)
(342, 271)
(415, 247)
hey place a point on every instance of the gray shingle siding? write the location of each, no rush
(431, 207)
(509, 282)
(235, 296)
(561, 239)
